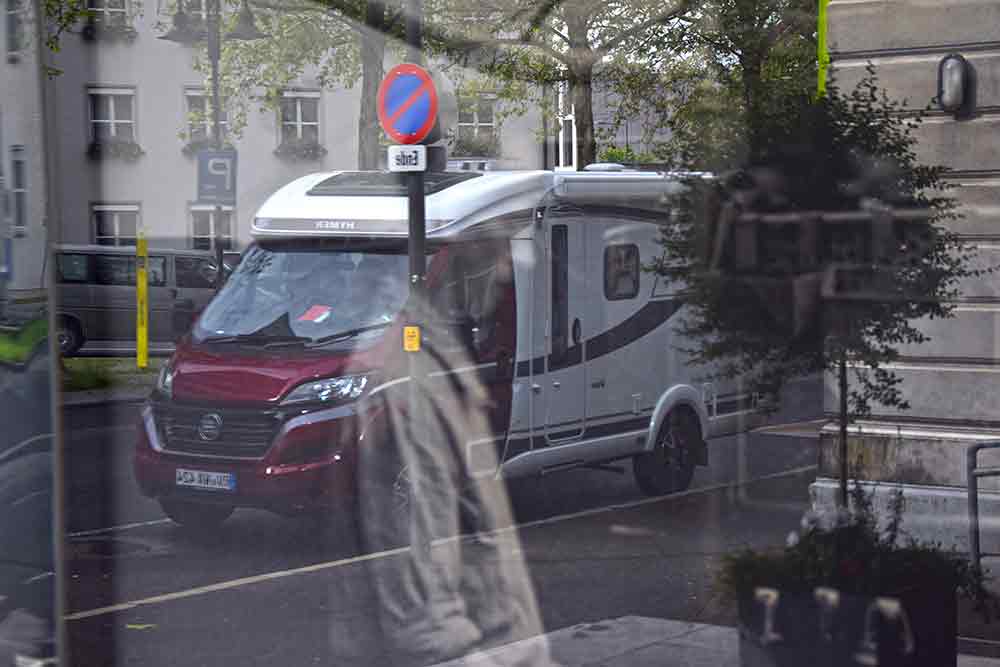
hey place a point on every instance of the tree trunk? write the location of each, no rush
(372, 44)
(843, 429)
(582, 96)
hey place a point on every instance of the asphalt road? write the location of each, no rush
(264, 590)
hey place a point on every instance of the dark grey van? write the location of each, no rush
(97, 297)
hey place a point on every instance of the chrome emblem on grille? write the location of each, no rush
(210, 427)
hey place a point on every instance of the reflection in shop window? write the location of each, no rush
(115, 225)
(300, 116)
(73, 268)
(206, 223)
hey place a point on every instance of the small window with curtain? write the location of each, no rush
(299, 117)
(621, 272)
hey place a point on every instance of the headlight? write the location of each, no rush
(331, 390)
(165, 382)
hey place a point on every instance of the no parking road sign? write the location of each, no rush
(407, 104)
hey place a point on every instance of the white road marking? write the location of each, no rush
(118, 528)
(319, 567)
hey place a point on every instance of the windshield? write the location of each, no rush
(306, 293)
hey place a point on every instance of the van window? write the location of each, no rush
(120, 270)
(195, 272)
(73, 268)
(560, 291)
(621, 272)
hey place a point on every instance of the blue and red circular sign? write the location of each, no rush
(407, 104)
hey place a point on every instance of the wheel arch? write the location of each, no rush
(676, 396)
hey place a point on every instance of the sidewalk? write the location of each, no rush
(77, 399)
(637, 641)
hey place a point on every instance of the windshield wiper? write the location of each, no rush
(344, 335)
(255, 339)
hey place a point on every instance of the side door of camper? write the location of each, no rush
(564, 383)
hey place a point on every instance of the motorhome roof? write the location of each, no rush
(375, 204)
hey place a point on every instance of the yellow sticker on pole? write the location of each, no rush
(411, 338)
(141, 301)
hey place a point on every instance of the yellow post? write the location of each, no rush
(822, 51)
(142, 304)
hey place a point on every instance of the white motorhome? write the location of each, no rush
(573, 338)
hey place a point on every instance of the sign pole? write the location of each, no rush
(142, 302)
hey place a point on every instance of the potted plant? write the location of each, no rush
(123, 149)
(300, 149)
(846, 591)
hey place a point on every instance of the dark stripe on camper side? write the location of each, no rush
(521, 445)
(640, 323)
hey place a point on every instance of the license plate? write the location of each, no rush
(209, 481)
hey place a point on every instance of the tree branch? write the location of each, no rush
(682, 8)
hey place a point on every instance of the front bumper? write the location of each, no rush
(309, 465)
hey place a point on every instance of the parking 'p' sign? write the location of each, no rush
(407, 104)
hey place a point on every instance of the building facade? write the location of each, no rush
(951, 382)
(126, 114)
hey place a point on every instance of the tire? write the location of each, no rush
(197, 517)
(70, 336)
(669, 468)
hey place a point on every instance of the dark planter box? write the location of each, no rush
(914, 628)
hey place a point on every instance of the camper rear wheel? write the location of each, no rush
(69, 333)
(669, 467)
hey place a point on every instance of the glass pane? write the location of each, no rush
(201, 243)
(100, 107)
(485, 111)
(125, 131)
(288, 110)
(196, 103)
(127, 224)
(310, 133)
(224, 223)
(195, 272)
(115, 4)
(126, 241)
(17, 173)
(102, 131)
(73, 268)
(200, 224)
(21, 209)
(310, 110)
(466, 115)
(114, 269)
(123, 107)
(156, 272)
(104, 224)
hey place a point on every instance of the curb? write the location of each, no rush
(79, 399)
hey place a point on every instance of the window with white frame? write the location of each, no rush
(206, 222)
(18, 189)
(300, 116)
(199, 116)
(112, 114)
(15, 28)
(115, 224)
(476, 116)
(109, 12)
(476, 125)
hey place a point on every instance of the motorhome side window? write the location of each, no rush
(621, 272)
(560, 291)
(73, 268)
(120, 270)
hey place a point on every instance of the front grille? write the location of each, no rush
(244, 434)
